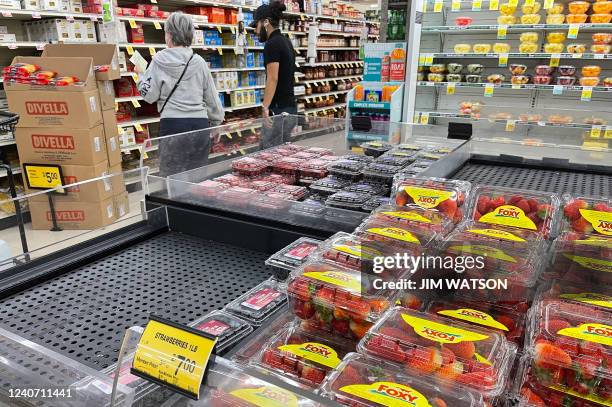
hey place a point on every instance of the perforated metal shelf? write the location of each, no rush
(536, 179)
(84, 314)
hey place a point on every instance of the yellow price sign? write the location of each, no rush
(219, 29)
(503, 60)
(138, 127)
(232, 29)
(157, 25)
(220, 51)
(173, 355)
(554, 59)
(424, 118)
(239, 133)
(510, 125)
(42, 176)
(416, 117)
(456, 5)
(489, 89)
(135, 103)
(587, 94)
(596, 132)
(421, 60)
(154, 1)
(450, 88)
(548, 4)
(513, 3)
(132, 23)
(572, 32)
(130, 50)
(529, 2)
(116, 106)
(119, 129)
(429, 59)
(476, 5)
(493, 4)
(424, 6)
(151, 51)
(608, 133)
(135, 77)
(302, 17)
(502, 31)
(438, 4)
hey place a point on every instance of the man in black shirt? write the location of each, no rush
(279, 59)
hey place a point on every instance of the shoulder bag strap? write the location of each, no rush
(175, 85)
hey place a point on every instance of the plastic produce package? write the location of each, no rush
(329, 185)
(423, 223)
(382, 173)
(587, 215)
(259, 303)
(249, 166)
(561, 291)
(348, 200)
(375, 148)
(228, 328)
(349, 169)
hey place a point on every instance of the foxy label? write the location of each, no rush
(315, 352)
(601, 221)
(498, 234)
(590, 263)
(349, 281)
(600, 300)
(395, 233)
(267, 396)
(474, 316)
(366, 253)
(388, 394)
(591, 397)
(428, 198)
(485, 251)
(592, 332)
(408, 216)
(437, 332)
(508, 215)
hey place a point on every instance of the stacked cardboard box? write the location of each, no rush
(74, 127)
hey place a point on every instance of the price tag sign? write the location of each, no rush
(438, 4)
(116, 106)
(510, 125)
(232, 29)
(554, 59)
(135, 77)
(503, 59)
(220, 51)
(424, 6)
(529, 2)
(476, 5)
(130, 50)
(557, 90)
(151, 51)
(424, 118)
(12, 45)
(416, 117)
(598, 56)
(421, 60)
(154, 1)
(489, 89)
(548, 4)
(239, 133)
(70, 18)
(132, 23)
(493, 4)
(455, 5)
(513, 3)
(587, 93)
(119, 129)
(138, 127)
(44, 176)
(228, 135)
(502, 30)
(302, 17)
(135, 103)
(608, 133)
(219, 29)
(572, 32)
(174, 356)
(596, 132)
(450, 88)
(516, 86)
(157, 25)
(40, 47)
(429, 60)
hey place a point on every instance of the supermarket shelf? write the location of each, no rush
(521, 55)
(133, 147)
(258, 68)
(338, 63)
(6, 13)
(601, 89)
(197, 24)
(339, 78)
(232, 109)
(143, 120)
(241, 88)
(23, 44)
(128, 99)
(329, 48)
(340, 34)
(544, 123)
(322, 109)
(316, 95)
(247, 148)
(295, 33)
(512, 28)
(203, 47)
(7, 143)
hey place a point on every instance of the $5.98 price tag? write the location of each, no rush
(173, 356)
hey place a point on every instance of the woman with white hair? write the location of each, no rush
(179, 81)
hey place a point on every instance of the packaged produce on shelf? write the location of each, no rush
(375, 202)
(367, 188)
(336, 299)
(358, 157)
(249, 166)
(382, 173)
(375, 148)
(329, 185)
(515, 208)
(259, 303)
(312, 170)
(445, 196)
(362, 381)
(442, 350)
(287, 165)
(346, 168)
(570, 349)
(209, 188)
(226, 327)
(585, 296)
(396, 160)
(587, 215)
(234, 180)
(295, 254)
(302, 355)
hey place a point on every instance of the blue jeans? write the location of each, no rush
(280, 131)
(184, 152)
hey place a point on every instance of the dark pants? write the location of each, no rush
(280, 130)
(185, 151)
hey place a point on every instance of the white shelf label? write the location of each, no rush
(587, 93)
(557, 90)
(503, 59)
(489, 89)
(572, 32)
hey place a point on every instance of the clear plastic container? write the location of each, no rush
(308, 211)
(287, 165)
(516, 208)
(292, 192)
(295, 254)
(329, 185)
(234, 180)
(260, 302)
(571, 350)
(349, 169)
(237, 197)
(395, 160)
(510, 321)
(362, 381)
(302, 354)
(421, 221)
(403, 151)
(443, 349)
(279, 178)
(262, 186)
(587, 215)
(336, 299)
(270, 203)
(368, 188)
(380, 173)
(375, 148)
(305, 155)
(313, 169)
(250, 166)
(375, 202)
(358, 157)
(347, 200)
(227, 327)
(428, 156)
(288, 148)
(209, 188)
(269, 156)
(320, 151)
(582, 295)
(445, 196)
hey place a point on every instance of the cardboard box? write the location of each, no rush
(122, 205)
(82, 68)
(93, 191)
(117, 181)
(107, 95)
(102, 54)
(61, 146)
(111, 137)
(73, 215)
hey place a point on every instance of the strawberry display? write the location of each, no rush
(336, 299)
(303, 355)
(508, 320)
(587, 215)
(445, 196)
(249, 166)
(361, 381)
(577, 297)
(443, 349)
(260, 302)
(419, 220)
(571, 350)
(515, 208)
(208, 188)
(226, 327)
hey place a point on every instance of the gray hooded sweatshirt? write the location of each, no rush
(195, 97)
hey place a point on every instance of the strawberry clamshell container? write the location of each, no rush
(587, 215)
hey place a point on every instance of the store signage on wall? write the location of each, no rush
(385, 62)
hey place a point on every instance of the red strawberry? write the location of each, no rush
(272, 358)
(479, 380)
(582, 225)
(592, 349)
(533, 205)
(438, 402)
(555, 325)
(588, 367)
(572, 208)
(340, 326)
(496, 203)
(386, 348)
(411, 301)
(532, 398)
(523, 205)
(289, 364)
(448, 207)
(534, 218)
(458, 217)
(313, 374)
(463, 350)
(547, 354)
(397, 334)
(448, 356)
(303, 309)
(506, 321)
(349, 376)
(568, 345)
(483, 204)
(424, 360)
(477, 215)
(325, 295)
(514, 199)
(359, 329)
(544, 210)
(401, 199)
(450, 371)
(602, 207)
